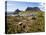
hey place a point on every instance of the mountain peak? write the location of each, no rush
(33, 9)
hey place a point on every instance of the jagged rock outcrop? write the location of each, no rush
(17, 11)
(32, 9)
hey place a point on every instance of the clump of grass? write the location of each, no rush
(36, 25)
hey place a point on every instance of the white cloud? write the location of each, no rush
(42, 6)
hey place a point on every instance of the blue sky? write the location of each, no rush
(13, 5)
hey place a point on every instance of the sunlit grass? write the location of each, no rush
(31, 25)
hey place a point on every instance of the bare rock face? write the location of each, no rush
(32, 9)
(17, 11)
